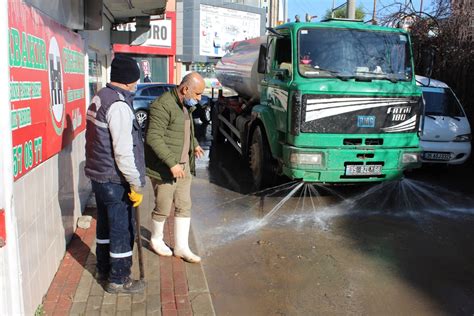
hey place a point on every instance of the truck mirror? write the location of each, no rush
(282, 73)
(262, 59)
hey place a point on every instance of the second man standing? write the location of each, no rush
(170, 153)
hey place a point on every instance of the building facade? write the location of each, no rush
(276, 11)
(205, 29)
(156, 56)
(51, 63)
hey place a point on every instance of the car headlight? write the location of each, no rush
(463, 138)
(306, 158)
(410, 158)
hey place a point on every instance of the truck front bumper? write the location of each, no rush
(342, 165)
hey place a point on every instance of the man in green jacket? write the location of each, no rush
(170, 152)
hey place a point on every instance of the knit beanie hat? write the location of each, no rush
(124, 70)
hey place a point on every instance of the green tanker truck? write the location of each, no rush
(328, 102)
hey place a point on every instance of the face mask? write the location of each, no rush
(190, 102)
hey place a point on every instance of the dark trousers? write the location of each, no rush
(115, 230)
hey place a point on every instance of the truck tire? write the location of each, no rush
(204, 115)
(217, 137)
(261, 161)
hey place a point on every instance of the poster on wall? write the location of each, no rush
(220, 27)
(47, 86)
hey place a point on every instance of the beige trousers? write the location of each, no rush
(167, 193)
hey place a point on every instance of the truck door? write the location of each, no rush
(280, 76)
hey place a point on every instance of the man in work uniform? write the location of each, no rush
(116, 165)
(170, 151)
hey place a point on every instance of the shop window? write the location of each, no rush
(95, 74)
(152, 69)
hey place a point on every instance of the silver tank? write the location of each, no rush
(238, 68)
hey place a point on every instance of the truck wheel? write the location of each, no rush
(261, 161)
(205, 115)
(217, 137)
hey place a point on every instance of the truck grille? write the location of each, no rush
(359, 115)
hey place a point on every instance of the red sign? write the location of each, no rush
(3, 233)
(47, 86)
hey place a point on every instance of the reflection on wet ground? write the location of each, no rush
(402, 247)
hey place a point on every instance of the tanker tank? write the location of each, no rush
(238, 68)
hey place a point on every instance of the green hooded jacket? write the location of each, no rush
(165, 137)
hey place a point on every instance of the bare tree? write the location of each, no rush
(440, 32)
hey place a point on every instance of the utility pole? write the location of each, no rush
(374, 22)
(350, 9)
(421, 6)
(332, 10)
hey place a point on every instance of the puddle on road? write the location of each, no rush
(307, 205)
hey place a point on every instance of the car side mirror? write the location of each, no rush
(262, 59)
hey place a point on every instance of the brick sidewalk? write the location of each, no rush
(173, 286)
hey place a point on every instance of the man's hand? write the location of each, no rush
(177, 171)
(198, 152)
(135, 197)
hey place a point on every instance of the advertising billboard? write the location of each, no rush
(47, 83)
(219, 27)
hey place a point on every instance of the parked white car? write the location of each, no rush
(446, 134)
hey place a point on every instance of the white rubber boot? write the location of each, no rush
(181, 234)
(156, 240)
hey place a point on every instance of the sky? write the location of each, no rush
(319, 7)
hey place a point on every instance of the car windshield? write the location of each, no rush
(441, 101)
(346, 53)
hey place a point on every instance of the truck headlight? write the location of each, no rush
(463, 138)
(410, 158)
(306, 158)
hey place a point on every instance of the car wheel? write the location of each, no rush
(141, 117)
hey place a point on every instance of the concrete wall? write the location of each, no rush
(99, 40)
(48, 201)
(50, 198)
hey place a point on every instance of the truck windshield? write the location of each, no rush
(358, 54)
(441, 101)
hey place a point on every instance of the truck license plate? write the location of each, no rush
(437, 156)
(363, 170)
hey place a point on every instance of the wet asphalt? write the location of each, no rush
(399, 248)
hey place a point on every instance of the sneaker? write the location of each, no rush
(129, 287)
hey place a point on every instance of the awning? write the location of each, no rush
(124, 10)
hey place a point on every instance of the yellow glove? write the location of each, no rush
(135, 197)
